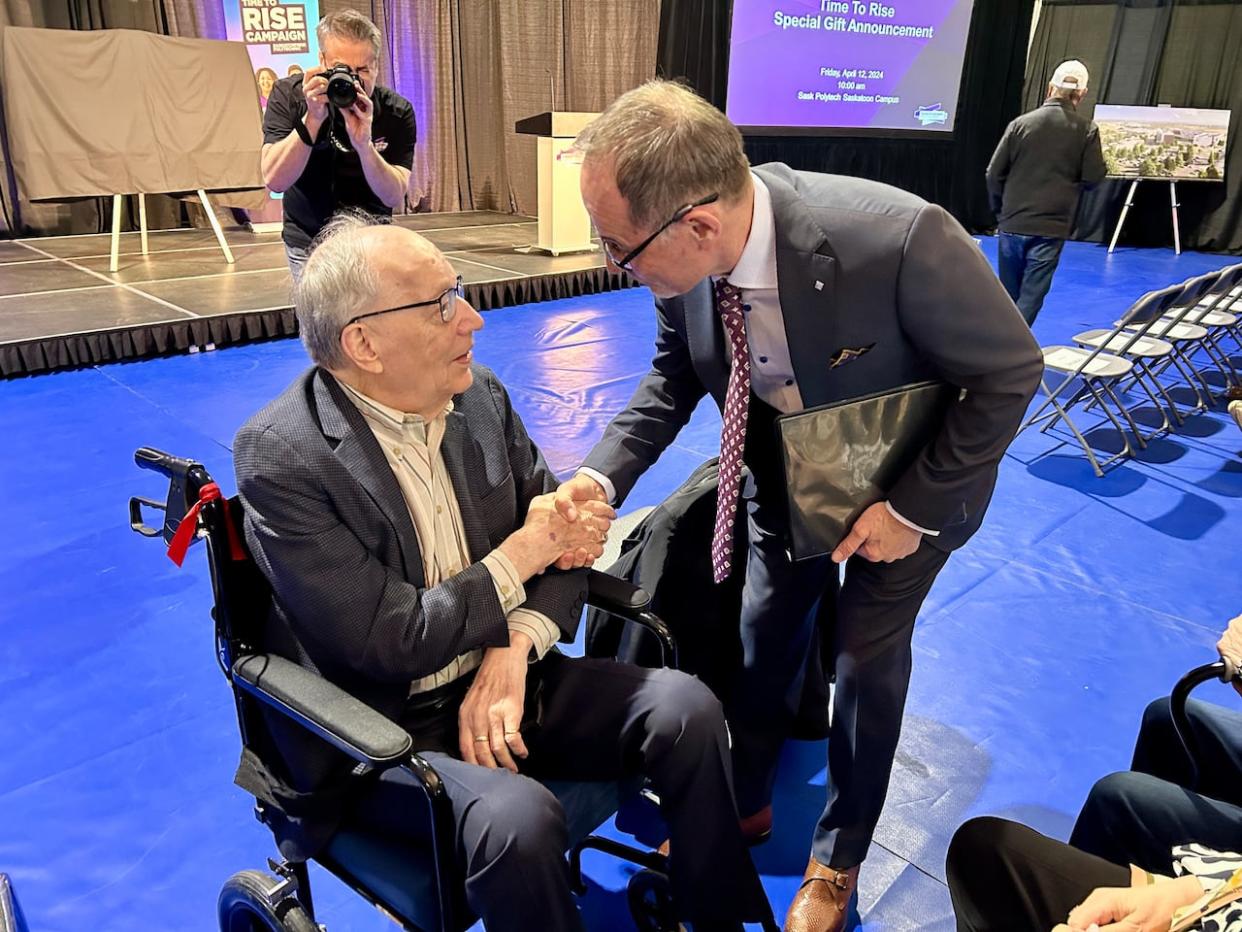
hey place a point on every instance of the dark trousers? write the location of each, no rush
(1005, 877)
(1026, 266)
(875, 613)
(1138, 817)
(601, 721)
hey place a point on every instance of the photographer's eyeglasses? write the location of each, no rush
(626, 261)
(447, 302)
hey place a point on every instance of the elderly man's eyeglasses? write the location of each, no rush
(627, 260)
(447, 302)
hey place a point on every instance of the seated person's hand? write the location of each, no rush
(1230, 647)
(491, 714)
(547, 536)
(581, 488)
(1147, 908)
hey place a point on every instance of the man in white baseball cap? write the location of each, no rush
(1070, 76)
(1042, 163)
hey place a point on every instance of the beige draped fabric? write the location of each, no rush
(117, 111)
(190, 18)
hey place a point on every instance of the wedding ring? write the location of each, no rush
(480, 738)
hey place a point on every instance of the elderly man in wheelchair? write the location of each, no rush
(397, 512)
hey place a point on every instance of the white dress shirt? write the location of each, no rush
(412, 447)
(771, 366)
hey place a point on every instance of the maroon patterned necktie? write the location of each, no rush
(733, 434)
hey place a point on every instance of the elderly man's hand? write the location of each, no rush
(879, 537)
(491, 713)
(1230, 647)
(581, 488)
(546, 535)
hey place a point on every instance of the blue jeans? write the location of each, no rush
(296, 256)
(1026, 267)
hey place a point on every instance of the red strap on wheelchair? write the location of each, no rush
(189, 524)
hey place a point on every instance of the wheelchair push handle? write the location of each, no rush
(186, 479)
(163, 463)
(1218, 670)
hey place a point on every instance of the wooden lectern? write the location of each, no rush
(563, 222)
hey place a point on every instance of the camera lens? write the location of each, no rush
(341, 88)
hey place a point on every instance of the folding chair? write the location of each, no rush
(1153, 356)
(1091, 375)
(1220, 311)
(1188, 339)
(419, 888)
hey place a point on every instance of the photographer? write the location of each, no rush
(334, 140)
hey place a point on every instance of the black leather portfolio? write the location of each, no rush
(842, 457)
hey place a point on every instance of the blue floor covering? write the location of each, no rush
(1080, 600)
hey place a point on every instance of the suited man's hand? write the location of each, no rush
(545, 537)
(581, 488)
(879, 537)
(491, 713)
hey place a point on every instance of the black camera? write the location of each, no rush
(342, 85)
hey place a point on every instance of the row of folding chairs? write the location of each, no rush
(1175, 338)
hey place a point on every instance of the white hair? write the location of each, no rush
(337, 283)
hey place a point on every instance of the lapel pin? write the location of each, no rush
(819, 286)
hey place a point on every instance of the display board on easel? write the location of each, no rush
(1162, 144)
(281, 40)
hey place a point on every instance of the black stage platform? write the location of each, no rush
(60, 306)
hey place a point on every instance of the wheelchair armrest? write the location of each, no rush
(324, 709)
(615, 595)
(629, 602)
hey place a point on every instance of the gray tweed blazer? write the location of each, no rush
(328, 526)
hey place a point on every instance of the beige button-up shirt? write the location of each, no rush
(411, 445)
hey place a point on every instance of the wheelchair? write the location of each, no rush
(1217, 670)
(420, 890)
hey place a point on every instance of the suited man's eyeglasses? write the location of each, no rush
(627, 260)
(447, 301)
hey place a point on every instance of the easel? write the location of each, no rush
(1177, 235)
(114, 260)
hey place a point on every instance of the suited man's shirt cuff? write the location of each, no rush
(509, 589)
(610, 490)
(910, 524)
(541, 630)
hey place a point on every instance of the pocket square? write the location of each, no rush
(848, 354)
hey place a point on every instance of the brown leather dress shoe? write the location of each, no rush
(822, 901)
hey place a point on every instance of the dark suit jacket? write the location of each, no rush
(860, 266)
(328, 526)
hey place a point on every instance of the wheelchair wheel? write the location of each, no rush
(651, 902)
(244, 906)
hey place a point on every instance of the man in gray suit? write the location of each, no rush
(777, 291)
(403, 518)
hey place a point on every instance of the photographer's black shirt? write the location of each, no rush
(333, 179)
